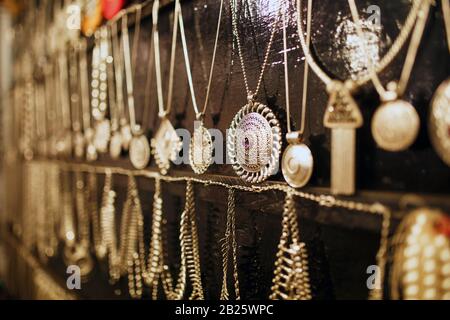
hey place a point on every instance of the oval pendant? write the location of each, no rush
(125, 131)
(78, 142)
(395, 125)
(166, 144)
(439, 127)
(297, 165)
(254, 142)
(139, 152)
(102, 135)
(115, 145)
(200, 150)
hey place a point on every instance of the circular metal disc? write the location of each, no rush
(297, 165)
(395, 125)
(139, 152)
(439, 128)
(200, 150)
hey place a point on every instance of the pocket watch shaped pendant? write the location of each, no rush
(297, 164)
(254, 142)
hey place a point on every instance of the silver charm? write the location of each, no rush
(439, 127)
(102, 135)
(200, 150)
(115, 145)
(297, 162)
(254, 142)
(139, 151)
(165, 145)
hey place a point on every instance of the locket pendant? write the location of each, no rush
(115, 145)
(102, 135)
(439, 128)
(200, 149)
(297, 162)
(395, 124)
(166, 144)
(254, 142)
(139, 151)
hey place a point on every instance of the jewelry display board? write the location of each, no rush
(343, 234)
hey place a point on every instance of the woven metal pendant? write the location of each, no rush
(200, 150)
(254, 142)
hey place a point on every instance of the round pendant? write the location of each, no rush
(200, 150)
(125, 130)
(78, 142)
(439, 128)
(102, 135)
(395, 125)
(297, 165)
(139, 152)
(115, 145)
(254, 142)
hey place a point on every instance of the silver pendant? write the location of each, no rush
(166, 144)
(254, 142)
(125, 131)
(200, 150)
(115, 145)
(395, 125)
(297, 163)
(439, 127)
(102, 135)
(78, 144)
(139, 151)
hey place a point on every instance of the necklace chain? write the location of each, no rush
(253, 94)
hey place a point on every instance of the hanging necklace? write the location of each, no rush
(254, 137)
(166, 143)
(395, 124)
(99, 93)
(297, 161)
(439, 127)
(91, 151)
(342, 114)
(65, 140)
(201, 147)
(139, 145)
(78, 138)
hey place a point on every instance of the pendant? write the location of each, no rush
(115, 145)
(125, 131)
(297, 162)
(440, 121)
(165, 145)
(254, 142)
(395, 125)
(343, 117)
(421, 259)
(102, 135)
(91, 151)
(139, 151)
(78, 144)
(200, 149)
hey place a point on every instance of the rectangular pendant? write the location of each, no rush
(343, 161)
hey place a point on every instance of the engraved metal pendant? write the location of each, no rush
(297, 162)
(343, 117)
(115, 145)
(139, 151)
(200, 150)
(165, 145)
(439, 128)
(254, 142)
(395, 125)
(102, 135)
